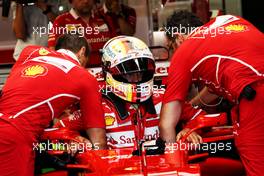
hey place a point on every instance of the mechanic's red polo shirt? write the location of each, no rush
(97, 31)
(42, 84)
(225, 61)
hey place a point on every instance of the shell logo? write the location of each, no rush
(236, 28)
(34, 71)
(109, 120)
(43, 52)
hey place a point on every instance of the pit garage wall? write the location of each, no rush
(142, 27)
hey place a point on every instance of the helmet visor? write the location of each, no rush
(129, 71)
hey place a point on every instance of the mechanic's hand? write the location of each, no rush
(81, 146)
(83, 140)
(193, 137)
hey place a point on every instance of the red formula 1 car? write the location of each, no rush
(152, 157)
(214, 157)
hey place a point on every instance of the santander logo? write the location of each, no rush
(127, 138)
(130, 140)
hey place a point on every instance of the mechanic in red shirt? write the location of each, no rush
(84, 20)
(40, 86)
(227, 55)
(130, 98)
(121, 16)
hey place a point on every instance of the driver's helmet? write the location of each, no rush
(129, 68)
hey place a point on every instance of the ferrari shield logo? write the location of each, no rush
(34, 71)
(43, 52)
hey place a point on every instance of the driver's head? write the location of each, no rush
(179, 25)
(76, 44)
(129, 68)
(83, 7)
(133, 77)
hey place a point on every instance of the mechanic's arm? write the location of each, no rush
(179, 80)
(170, 115)
(203, 97)
(92, 111)
(19, 27)
(97, 136)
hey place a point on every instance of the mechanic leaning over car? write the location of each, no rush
(227, 54)
(40, 86)
(129, 97)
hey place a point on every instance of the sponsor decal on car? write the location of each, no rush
(127, 138)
